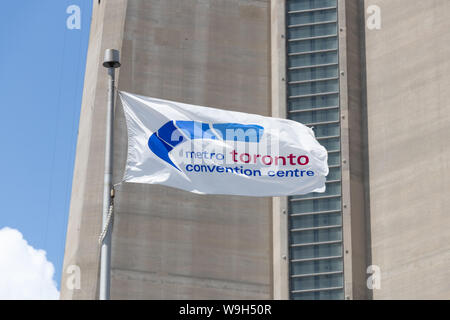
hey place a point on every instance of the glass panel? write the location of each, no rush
(306, 206)
(312, 31)
(319, 266)
(334, 159)
(311, 17)
(331, 100)
(316, 251)
(315, 220)
(313, 87)
(321, 235)
(331, 144)
(335, 174)
(319, 295)
(294, 5)
(316, 116)
(313, 73)
(333, 189)
(313, 59)
(327, 130)
(317, 282)
(312, 45)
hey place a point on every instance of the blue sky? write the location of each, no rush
(42, 66)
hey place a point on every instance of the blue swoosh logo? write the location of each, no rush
(173, 133)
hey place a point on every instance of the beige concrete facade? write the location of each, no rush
(170, 244)
(278, 95)
(408, 94)
(351, 35)
(82, 249)
(231, 54)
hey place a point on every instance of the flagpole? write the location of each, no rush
(111, 62)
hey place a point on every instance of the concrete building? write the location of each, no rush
(376, 98)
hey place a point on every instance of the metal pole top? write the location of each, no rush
(112, 58)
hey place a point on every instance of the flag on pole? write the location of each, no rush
(213, 151)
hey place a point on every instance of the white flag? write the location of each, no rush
(212, 151)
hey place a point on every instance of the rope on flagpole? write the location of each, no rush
(110, 217)
(109, 222)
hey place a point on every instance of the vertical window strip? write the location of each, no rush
(315, 220)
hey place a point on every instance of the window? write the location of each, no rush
(315, 220)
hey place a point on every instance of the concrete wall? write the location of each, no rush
(408, 81)
(82, 249)
(170, 244)
(279, 110)
(353, 142)
(173, 244)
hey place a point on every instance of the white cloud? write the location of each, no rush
(25, 272)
